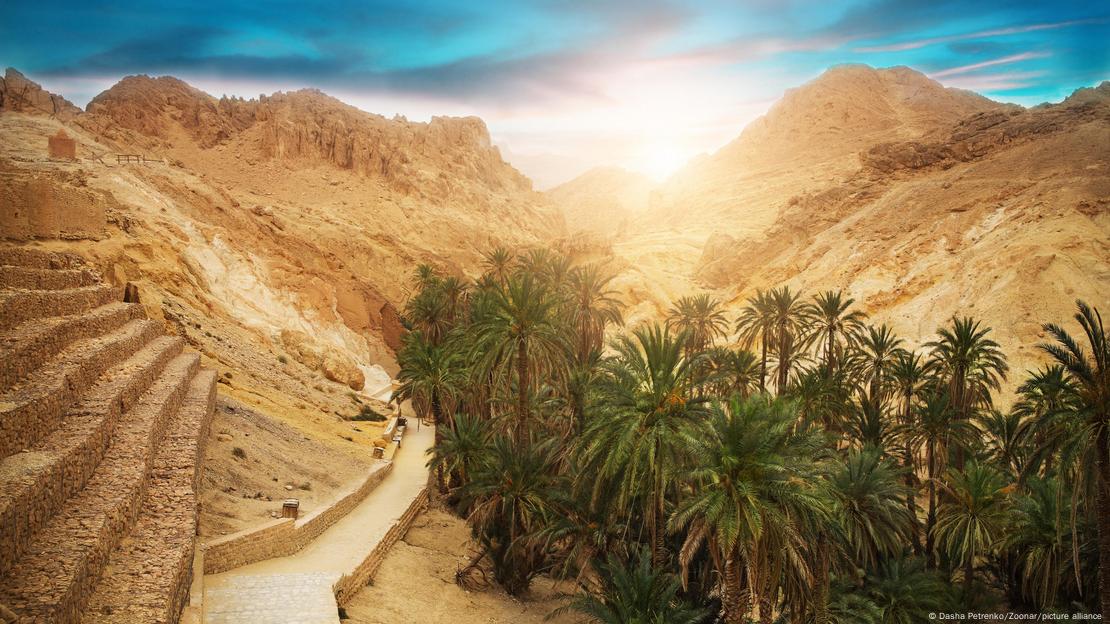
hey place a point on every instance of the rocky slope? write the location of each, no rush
(603, 201)
(920, 201)
(276, 235)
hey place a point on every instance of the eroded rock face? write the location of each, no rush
(342, 369)
(309, 125)
(19, 94)
(335, 366)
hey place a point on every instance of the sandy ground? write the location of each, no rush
(417, 584)
(278, 461)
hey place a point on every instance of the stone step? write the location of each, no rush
(147, 578)
(39, 258)
(32, 409)
(28, 278)
(32, 344)
(34, 484)
(19, 306)
(56, 575)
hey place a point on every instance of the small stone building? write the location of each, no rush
(62, 146)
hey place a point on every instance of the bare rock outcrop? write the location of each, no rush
(20, 94)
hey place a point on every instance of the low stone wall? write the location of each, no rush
(284, 536)
(349, 584)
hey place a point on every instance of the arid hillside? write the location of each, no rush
(604, 201)
(278, 236)
(920, 201)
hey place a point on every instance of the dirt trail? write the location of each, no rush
(263, 592)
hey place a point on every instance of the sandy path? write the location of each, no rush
(290, 589)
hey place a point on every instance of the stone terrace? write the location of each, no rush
(101, 424)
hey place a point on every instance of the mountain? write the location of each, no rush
(921, 202)
(277, 234)
(602, 201)
(809, 138)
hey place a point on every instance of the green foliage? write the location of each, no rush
(653, 465)
(635, 593)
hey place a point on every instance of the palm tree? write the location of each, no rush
(732, 371)
(789, 321)
(593, 306)
(1044, 395)
(935, 428)
(498, 264)
(905, 592)
(641, 435)
(751, 489)
(461, 449)
(634, 593)
(868, 517)
(875, 356)
(757, 323)
(523, 332)
(701, 318)
(908, 376)
(1037, 542)
(429, 313)
(512, 495)
(1090, 374)
(972, 365)
(833, 325)
(973, 516)
(431, 374)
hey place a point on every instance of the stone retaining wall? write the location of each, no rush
(349, 584)
(284, 536)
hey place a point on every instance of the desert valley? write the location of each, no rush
(290, 242)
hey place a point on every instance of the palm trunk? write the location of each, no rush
(763, 364)
(821, 600)
(969, 575)
(911, 499)
(657, 513)
(734, 598)
(784, 360)
(931, 519)
(437, 416)
(522, 390)
(1102, 483)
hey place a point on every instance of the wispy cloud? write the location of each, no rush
(982, 34)
(1005, 60)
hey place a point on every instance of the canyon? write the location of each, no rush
(278, 237)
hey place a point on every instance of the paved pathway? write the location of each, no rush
(297, 589)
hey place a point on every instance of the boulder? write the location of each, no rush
(342, 369)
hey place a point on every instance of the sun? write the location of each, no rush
(659, 159)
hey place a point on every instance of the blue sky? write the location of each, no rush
(563, 84)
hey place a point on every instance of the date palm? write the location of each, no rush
(833, 326)
(905, 592)
(642, 434)
(1090, 373)
(877, 352)
(634, 593)
(594, 306)
(908, 377)
(972, 365)
(972, 519)
(868, 517)
(757, 324)
(701, 318)
(512, 495)
(498, 264)
(752, 487)
(523, 332)
(790, 322)
(935, 429)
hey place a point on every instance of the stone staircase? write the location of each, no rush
(102, 421)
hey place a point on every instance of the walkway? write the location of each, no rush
(297, 589)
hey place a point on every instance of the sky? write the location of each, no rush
(563, 85)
